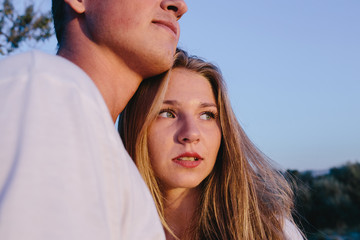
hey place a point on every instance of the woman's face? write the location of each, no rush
(185, 138)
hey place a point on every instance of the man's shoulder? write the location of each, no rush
(54, 79)
(37, 62)
(30, 58)
(43, 69)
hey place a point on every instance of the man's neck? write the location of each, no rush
(115, 81)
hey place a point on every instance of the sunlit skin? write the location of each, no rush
(118, 43)
(143, 33)
(183, 143)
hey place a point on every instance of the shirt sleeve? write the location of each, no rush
(291, 231)
(61, 174)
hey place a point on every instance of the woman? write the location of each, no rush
(207, 179)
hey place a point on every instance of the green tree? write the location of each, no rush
(329, 204)
(349, 175)
(18, 28)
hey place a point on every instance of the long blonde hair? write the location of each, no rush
(244, 197)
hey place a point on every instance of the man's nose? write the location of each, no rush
(178, 7)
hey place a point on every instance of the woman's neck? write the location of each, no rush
(180, 206)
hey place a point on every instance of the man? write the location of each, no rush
(64, 172)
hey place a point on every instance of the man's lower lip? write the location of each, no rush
(167, 28)
(187, 164)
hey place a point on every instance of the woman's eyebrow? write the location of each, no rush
(171, 102)
(204, 105)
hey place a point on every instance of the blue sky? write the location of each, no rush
(293, 73)
(292, 69)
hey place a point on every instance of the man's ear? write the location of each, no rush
(77, 5)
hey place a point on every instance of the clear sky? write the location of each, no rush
(293, 73)
(292, 68)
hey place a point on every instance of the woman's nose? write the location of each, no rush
(178, 7)
(189, 131)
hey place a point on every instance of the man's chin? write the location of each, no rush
(159, 68)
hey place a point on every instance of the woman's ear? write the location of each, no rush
(77, 5)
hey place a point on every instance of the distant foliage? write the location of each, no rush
(328, 205)
(16, 28)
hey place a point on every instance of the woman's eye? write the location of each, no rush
(207, 116)
(166, 114)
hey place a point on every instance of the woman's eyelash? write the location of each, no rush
(211, 114)
(167, 110)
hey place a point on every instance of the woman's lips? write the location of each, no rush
(188, 160)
